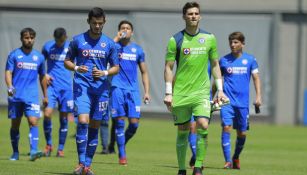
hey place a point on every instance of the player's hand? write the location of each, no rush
(258, 102)
(45, 101)
(221, 97)
(168, 101)
(96, 73)
(11, 91)
(146, 98)
(82, 69)
(49, 79)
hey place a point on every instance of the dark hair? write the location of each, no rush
(125, 22)
(189, 5)
(27, 30)
(97, 13)
(59, 33)
(237, 35)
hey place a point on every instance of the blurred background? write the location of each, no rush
(275, 31)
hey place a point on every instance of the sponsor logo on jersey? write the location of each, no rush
(29, 66)
(127, 56)
(58, 57)
(244, 61)
(103, 45)
(201, 40)
(186, 51)
(93, 54)
(237, 70)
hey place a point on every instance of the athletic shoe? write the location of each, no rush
(15, 156)
(197, 171)
(35, 155)
(228, 165)
(192, 162)
(48, 150)
(123, 161)
(78, 170)
(87, 171)
(182, 172)
(236, 164)
(60, 153)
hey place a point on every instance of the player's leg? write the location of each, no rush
(241, 125)
(227, 116)
(182, 117)
(15, 114)
(192, 142)
(131, 129)
(111, 147)
(134, 110)
(104, 136)
(201, 112)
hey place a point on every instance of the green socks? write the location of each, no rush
(201, 147)
(181, 147)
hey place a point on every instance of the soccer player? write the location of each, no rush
(59, 89)
(88, 55)
(191, 49)
(237, 67)
(125, 88)
(23, 66)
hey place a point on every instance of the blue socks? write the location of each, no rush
(192, 141)
(239, 147)
(120, 137)
(81, 141)
(14, 139)
(131, 130)
(226, 146)
(48, 131)
(62, 132)
(33, 137)
(91, 146)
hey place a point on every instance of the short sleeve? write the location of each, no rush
(113, 55)
(10, 62)
(72, 50)
(171, 50)
(213, 53)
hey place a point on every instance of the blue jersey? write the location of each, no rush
(130, 57)
(55, 57)
(237, 73)
(83, 50)
(25, 69)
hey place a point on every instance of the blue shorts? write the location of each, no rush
(63, 97)
(125, 103)
(236, 116)
(94, 104)
(17, 109)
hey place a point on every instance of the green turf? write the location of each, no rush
(270, 150)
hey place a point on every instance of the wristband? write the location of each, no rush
(76, 68)
(219, 84)
(168, 88)
(106, 73)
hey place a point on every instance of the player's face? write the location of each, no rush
(27, 40)
(96, 25)
(126, 28)
(60, 41)
(192, 17)
(236, 46)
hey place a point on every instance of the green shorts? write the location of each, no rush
(182, 114)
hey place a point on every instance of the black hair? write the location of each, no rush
(27, 30)
(59, 33)
(125, 22)
(96, 12)
(189, 5)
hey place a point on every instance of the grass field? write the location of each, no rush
(270, 150)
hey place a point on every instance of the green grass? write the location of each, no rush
(269, 150)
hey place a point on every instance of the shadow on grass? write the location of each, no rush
(57, 173)
(176, 167)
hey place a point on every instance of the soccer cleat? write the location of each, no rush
(235, 164)
(192, 162)
(35, 155)
(87, 171)
(60, 153)
(123, 161)
(48, 150)
(78, 170)
(15, 156)
(197, 171)
(228, 165)
(105, 151)
(182, 172)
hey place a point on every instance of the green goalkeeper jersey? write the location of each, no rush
(191, 53)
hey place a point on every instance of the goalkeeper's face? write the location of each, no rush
(27, 40)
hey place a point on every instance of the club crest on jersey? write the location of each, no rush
(244, 61)
(201, 40)
(85, 53)
(186, 51)
(35, 58)
(19, 65)
(133, 50)
(229, 70)
(103, 45)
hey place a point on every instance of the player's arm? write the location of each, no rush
(145, 81)
(257, 85)
(216, 72)
(43, 82)
(8, 81)
(168, 78)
